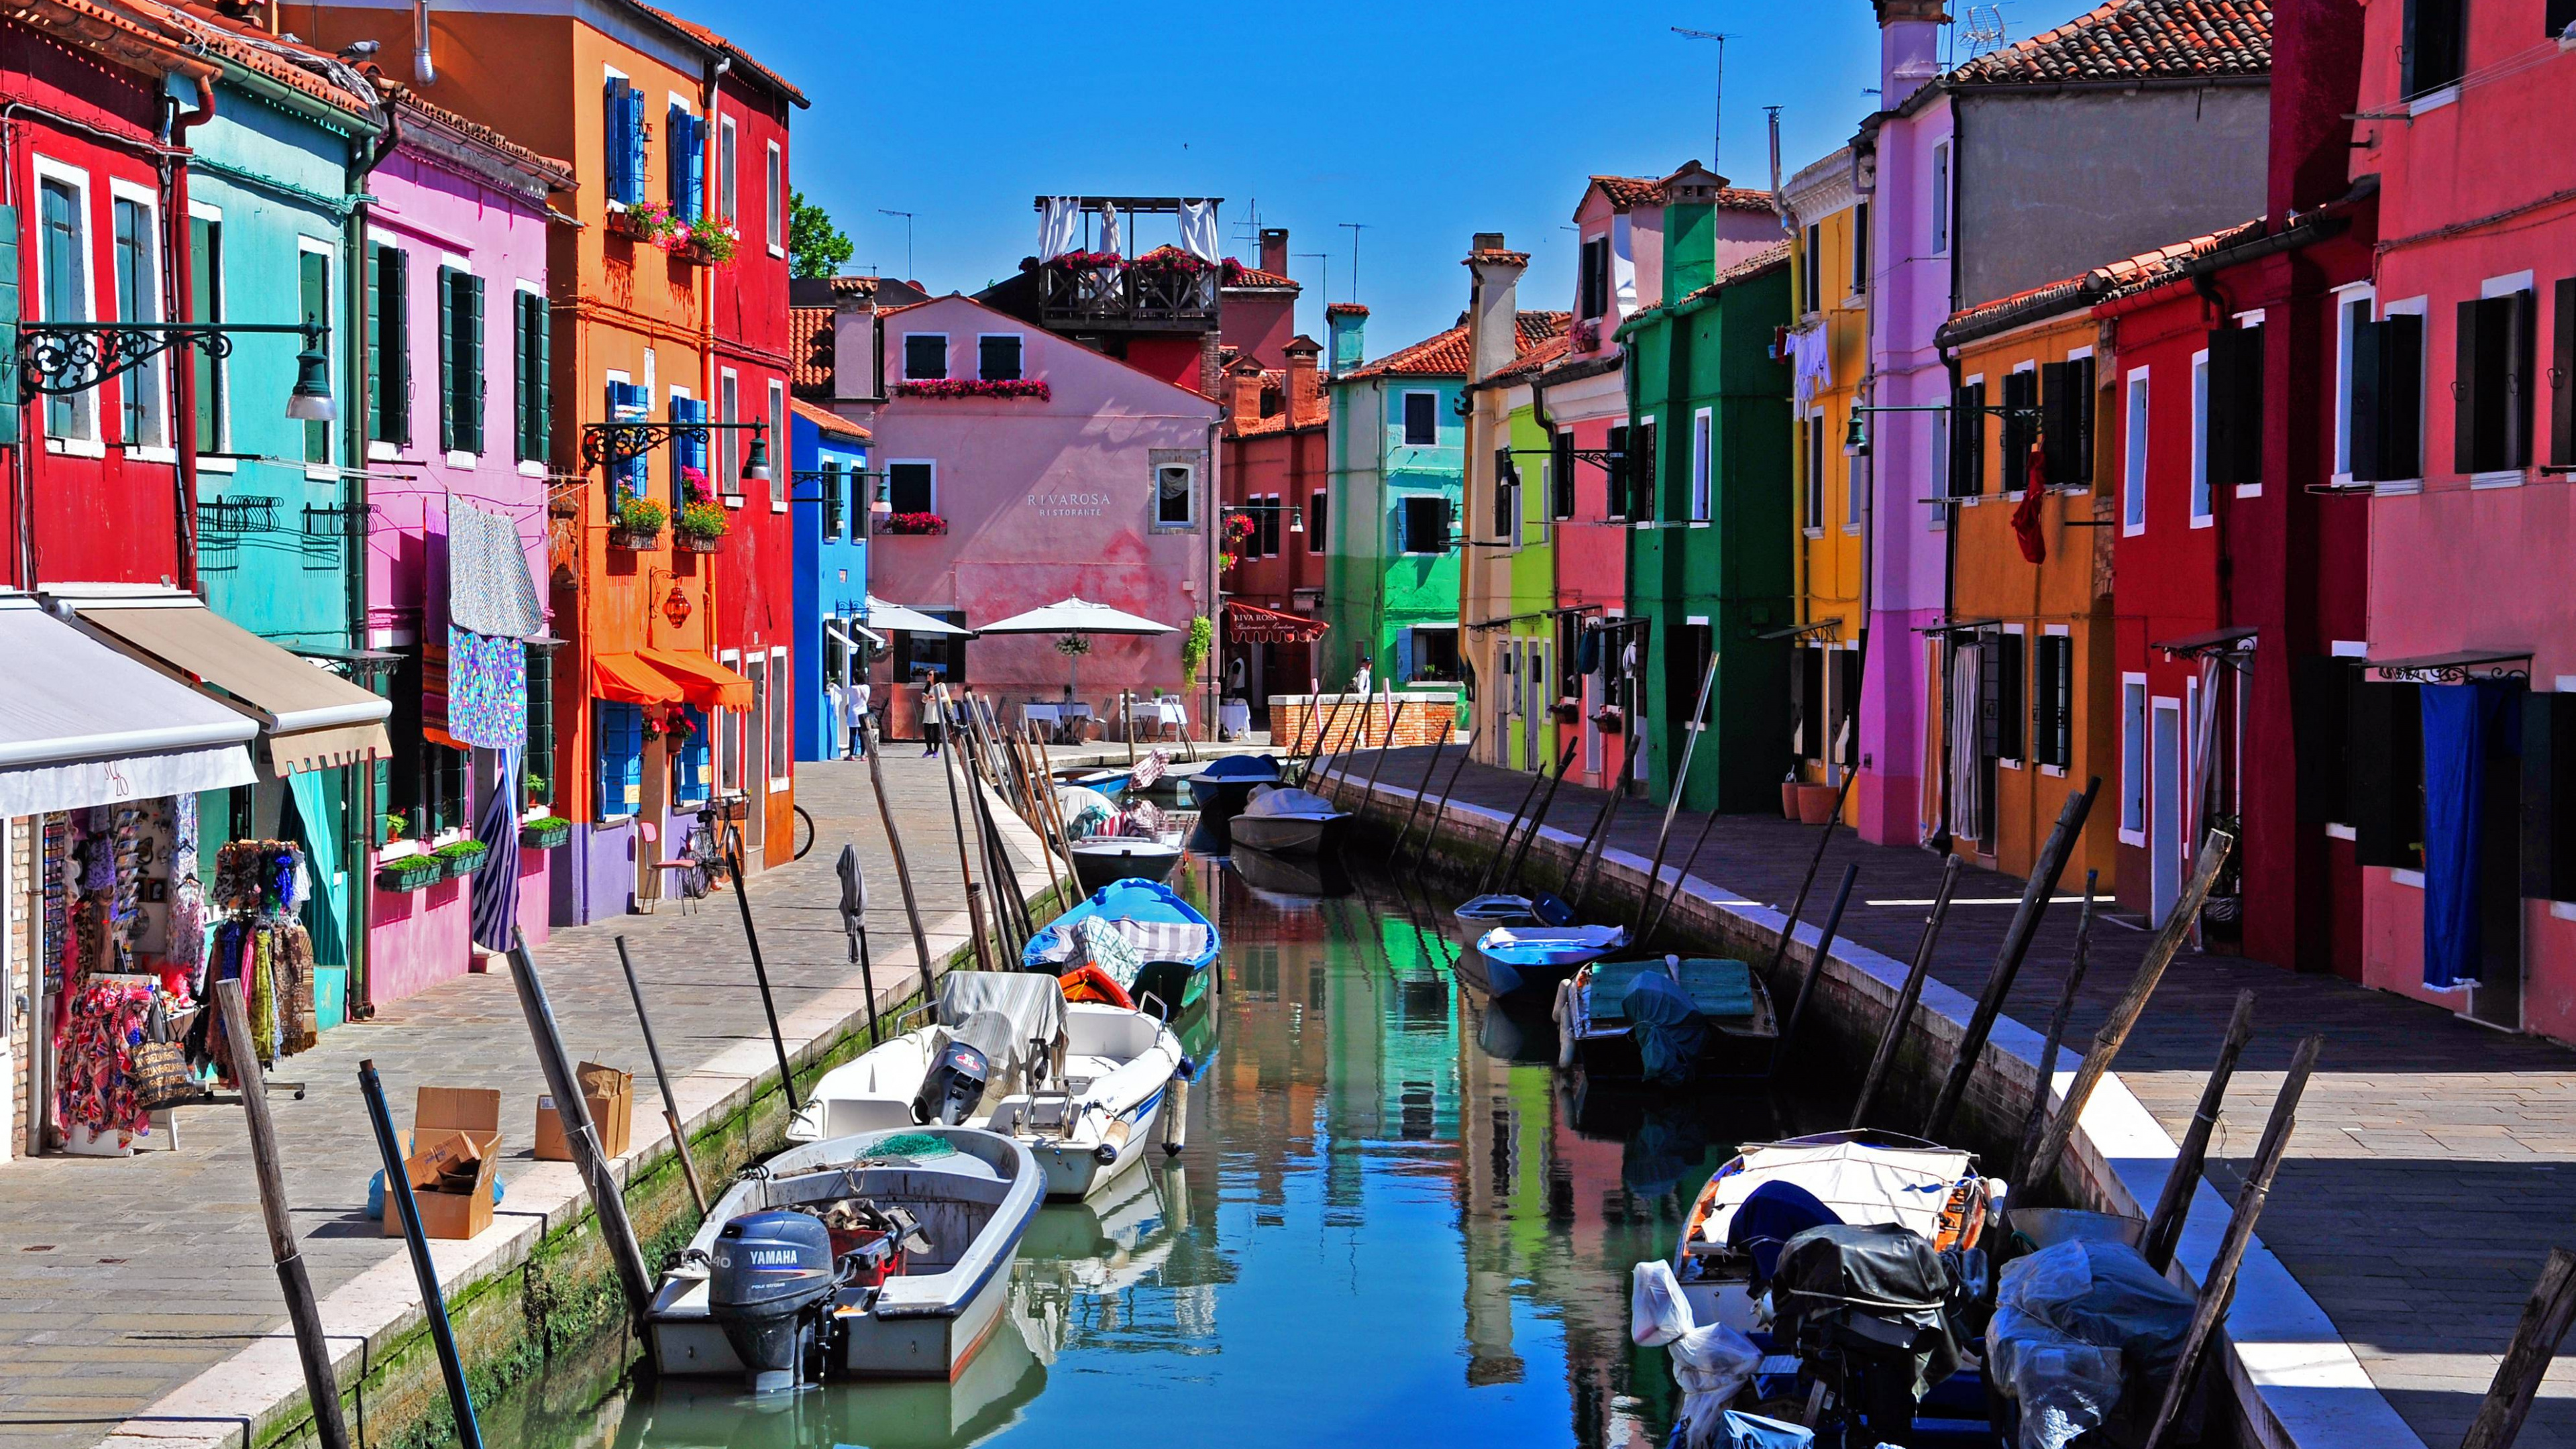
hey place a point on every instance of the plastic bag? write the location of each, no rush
(1712, 1365)
(1752, 1431)
(2075, 1326)
(1657, 1312)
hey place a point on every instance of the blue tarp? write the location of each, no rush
(2463, 725)
(1666, 1025)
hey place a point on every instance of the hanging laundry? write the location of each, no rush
(1059, 227)
(486, 700)
(489, 588)
(1198, 230)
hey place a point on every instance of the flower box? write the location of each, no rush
(633, 224)
(462, 858)
(638, 539)
(409, 873)
(974, 387)
(550, 833)
(923, 524)
(696, 543)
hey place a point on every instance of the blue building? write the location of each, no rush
(832, 498)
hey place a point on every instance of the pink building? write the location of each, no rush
(458, 410)
(1053, 471)
(2456, 411)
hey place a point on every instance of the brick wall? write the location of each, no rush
(1419, 716)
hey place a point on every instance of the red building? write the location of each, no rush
(748, 364)
(2240, 569)
(1275, 469)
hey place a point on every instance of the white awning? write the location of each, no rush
(912, 621)
(81, 724)
(1075, 616)
(845, 628)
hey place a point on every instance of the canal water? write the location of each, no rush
(1393, 1222)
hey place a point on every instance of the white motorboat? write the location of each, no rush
(1286, 821)
(876, 1255)
(1118, 1075)
(991, 1034)
(1771, 1192)
(1102, 859)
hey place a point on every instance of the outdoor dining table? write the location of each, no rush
(1233, 718)
(1061, 719)
(1158, 715)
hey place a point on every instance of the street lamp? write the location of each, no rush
(610, 444)
(60, 358)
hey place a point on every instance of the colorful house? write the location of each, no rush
(1276, 477)
(1708, 554)
(1828, 350)
(2456, 396)
(1507, 577)
(458, 413)
(833, 500)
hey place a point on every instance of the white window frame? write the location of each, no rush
(779, 470)
(1941, 186)
(726, 756)
(780, 724)
(981, 338)
(2415, 307)
(2137, 415)
(1404, 414)
(727, 145)
(220, 367)
(167, 450)
(328, 470)
(903, 357)
(1969, 380)
(1155, 522)
(2048, 632)
(1939, 512)
(773, 180)
(91, 440)
(2011, 474)
(932, 464)
(609, 73)
(2346, 297)
(2506, 286)
(2021, 735)
(2204, 508)
(1703, 463)
(2134, 764)
(727, 481)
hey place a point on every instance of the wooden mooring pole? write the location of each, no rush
(1440, 812)
(662, 1081)
(2526, 1359)
(1816, 960)
(1538, 818)
(2173, 1205)
(424, 1271)
(759, 964)
(607, 1199)
(894, 844)
(2037, 1117)
(1902, 1012)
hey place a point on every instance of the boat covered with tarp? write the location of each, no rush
(1667, 1019)
(1144, 937)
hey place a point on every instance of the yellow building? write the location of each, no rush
(1828, 348)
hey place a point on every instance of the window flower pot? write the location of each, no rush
(548, 834)
(462, 863)
(634, 539)
(697, 543)
(1568, 712)
(400, 877)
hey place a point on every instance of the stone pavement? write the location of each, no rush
(2434, 1162)
(121, 1279)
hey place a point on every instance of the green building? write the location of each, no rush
(1397, 460)
(1708, 551)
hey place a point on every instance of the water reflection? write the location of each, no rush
(1394, 1222)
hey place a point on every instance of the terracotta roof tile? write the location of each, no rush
(293, 64)
(713, 41)
(826, 419)
(1533, 360)
(809, 350)
(1742, 198)
(1239, 275)
(2129, 274)
(558, 174)
(1346, 309)
(1627, 191)
(2137, 40)
(1445, 354)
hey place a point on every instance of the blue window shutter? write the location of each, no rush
(634, 747)
(698, 444)
(614, 139)
(675, 184)
(639, 469)
(697, 170)
(635, 162)
(620, 730)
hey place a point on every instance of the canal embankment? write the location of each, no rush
(194, 1339)
(2299, 1373)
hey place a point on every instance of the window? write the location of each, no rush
(2561, 19)
(1507, 487)
(687, 146)
(2066, 421)
(1641, 472)
(2434, 44)
(619, 732)
(782, 759)
(388, 345)
(997, 357)
(313, 278)
(1595, 281)
(1560, 476)
(2236, 408)
(2388, 398)
(2492, 396)
(1811, 271)
(754, 736)
(2020, 428)
(2133, 758)
(688, 450)
(729, 740)
(2200, 504)
(63, 269)
(533, 391)
(624, 141)
(1941, 198)
(1616, 491)
(1421, 419)
(2053, 717)
(2387, 786)
(1175, 495)
(2133, 480)
(1315, 516)
(1703, 457)
(627, 404)
(2562, 370)
(912, 487)
(1807, 700)
(1860, 249)
(1945, 462)
(834, 500)
(460, 361)
(138, 299)
(780, 473)
(1968, 441)
(540, 760)
(1268, 519)
(925, 356)
(206, 304)
(728, 410)
(689, 772)
(1426, 523)
(774, 175)
(1815, 458)
(726, 192)
(2004, 711)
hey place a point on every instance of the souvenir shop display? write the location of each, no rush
(258, 886)
(122, 952)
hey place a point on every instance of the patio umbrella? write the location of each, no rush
(880, 615)
(1076, 618)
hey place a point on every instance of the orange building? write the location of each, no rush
(644, 711)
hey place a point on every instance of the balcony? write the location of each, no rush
(1163, 292)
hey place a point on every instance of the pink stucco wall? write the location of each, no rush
(1047, 499)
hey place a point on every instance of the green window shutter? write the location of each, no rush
(378, 258)
(542, 318)
(10, 412)
(446, 359)
(397, 346)
(469, 427)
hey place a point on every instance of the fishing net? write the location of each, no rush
(919, 1146)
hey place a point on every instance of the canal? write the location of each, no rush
(1393, 1222)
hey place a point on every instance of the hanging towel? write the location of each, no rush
(495, 910)
(1110, 240)
(1059, 227)
(1811, 367)
(2463, 725)
(489, 587)
(485, 702)
(1198, 230)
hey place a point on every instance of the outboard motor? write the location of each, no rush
(768, 1289)
(1867, 1311)
(977, 1048)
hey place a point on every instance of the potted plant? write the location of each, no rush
(1609, 720)
(461, 857)
(702, 524)
(923, 524)
(712, 242)
(394, 823)
(410, 873)
(1816, 803)
(544, 833)
(644, 221)
(637, 523)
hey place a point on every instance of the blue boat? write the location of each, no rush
(1168, 945)
(1518, 959)
(1227, 783)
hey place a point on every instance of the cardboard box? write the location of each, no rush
(610, 1095)
(453, 1129)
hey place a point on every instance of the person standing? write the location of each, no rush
(859, 710)
(934, 722)
(1360, 678)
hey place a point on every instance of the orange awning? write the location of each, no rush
(630, 680)
(702, 681)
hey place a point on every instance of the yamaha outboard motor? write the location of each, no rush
(978, 1048)
(1866, 1309)
(772, 1279)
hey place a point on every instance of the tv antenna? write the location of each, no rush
(1355, 227)
(907, 238)
(1983, 29)
(1324, 291)
(1717, 127)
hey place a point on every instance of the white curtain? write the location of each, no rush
(1198, 230)
(1059, 228)
(1964, 773)
(1623, 263)
(1110, 241)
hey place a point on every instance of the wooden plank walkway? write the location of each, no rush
(2434, 1164)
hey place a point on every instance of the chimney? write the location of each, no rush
(854, 344)
(1493, 305)
(1690, 229)
(2316, 84)
(1909, 48)
(1244, 406)
(1304, 405)
(1274, 250)
(1343, 322)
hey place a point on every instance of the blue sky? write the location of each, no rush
(1423, 122)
